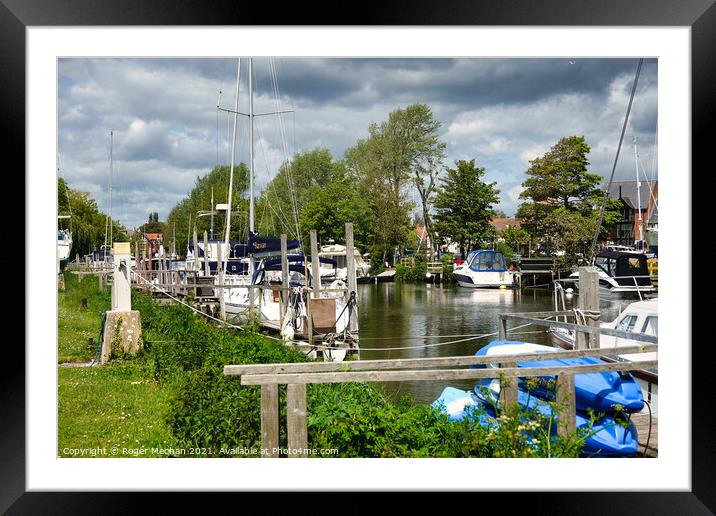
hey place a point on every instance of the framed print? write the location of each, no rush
(75, 66)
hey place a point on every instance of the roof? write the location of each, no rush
(501, 223)
(421, 232)
(153, 236)
(629, 193)
(619, 254)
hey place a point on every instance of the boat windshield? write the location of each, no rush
(488, 261)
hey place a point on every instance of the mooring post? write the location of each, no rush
(269, 420)
(136, 260)
(566, 419)
(220, 275)
(196, 253)
(296, 419)
(284, 277)
(508, 387)
(589, 304)
(502, 328)
(351, 277)
(207, 269)
(315, 281)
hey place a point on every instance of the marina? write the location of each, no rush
(405, 312)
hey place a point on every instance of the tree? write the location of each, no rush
(412, 133)
(197, 206)
(514, 237)
(562, 199)
(296, 184)
(339, 202)
(463, 205)
(86, 222)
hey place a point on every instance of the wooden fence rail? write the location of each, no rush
(296, 376)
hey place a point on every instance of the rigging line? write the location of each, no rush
(650, 184)
(616, 160)
(277, 104)
(271, 188)
(167, 294)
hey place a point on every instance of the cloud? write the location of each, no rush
(167, 130)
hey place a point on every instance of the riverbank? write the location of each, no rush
(173, 399)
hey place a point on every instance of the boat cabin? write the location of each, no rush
(486, 260)
(623, 266)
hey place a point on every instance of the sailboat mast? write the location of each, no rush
(111, 144)
(212, 211)
(251, 145)
(231, 165)
(638, 189)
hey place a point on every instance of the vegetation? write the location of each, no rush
(173, 398)
(464, 206)
(87, 223)
(563, 200)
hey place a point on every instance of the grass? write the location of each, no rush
(113, 406)
(117, 405)
(75, 324)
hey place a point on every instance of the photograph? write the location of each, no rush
(357, 257)
(427, 253)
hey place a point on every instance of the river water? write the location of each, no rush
(401, 315)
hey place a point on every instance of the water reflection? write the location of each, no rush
(404, 315)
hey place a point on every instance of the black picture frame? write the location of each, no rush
(16, 15)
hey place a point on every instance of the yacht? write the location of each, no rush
(337, 252)
(622, 272)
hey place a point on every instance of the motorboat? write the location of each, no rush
(337, 252)
(622, 273)
(484, 269)
(638, 317)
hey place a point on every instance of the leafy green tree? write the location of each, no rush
(561, 199)
(515, 238)
(197, 207)
(329, 210)
(464, 205)
(87, 223)
(296, 184)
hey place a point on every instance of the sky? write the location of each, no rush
(167, 131)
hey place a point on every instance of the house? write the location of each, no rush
(153, 244)
(502, 223)
(632, 230)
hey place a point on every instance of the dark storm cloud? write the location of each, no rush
(502, 112)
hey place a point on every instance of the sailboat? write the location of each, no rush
(64, 245)
(268, 271)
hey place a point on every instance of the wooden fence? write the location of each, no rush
(296, 376)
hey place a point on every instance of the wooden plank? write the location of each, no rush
(566, 406)
(589, 302)
(502, 328)
(269, 420)
(296, 420)
(416, 363)
(351, 278)
(323, 313)
(434, 374)
(641, 337)
(508, 387)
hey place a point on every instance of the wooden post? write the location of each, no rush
(136, 260)
(508, 387)
(196, 253)
(207, 269)
(315, 265)
(284, 276)
(589, 302)
(220, 276)
(566, 420)
(351, 277)
(296, 416)
(502, 329)
(315, 282)
(269, 420)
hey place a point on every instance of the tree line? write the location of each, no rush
(394, 178)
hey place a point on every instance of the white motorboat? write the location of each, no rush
(337, 252)
(484, 269)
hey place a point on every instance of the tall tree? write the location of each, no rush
(295, 185)
(87, 222)
(561, 197)
(197, 207)
(464, 205)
